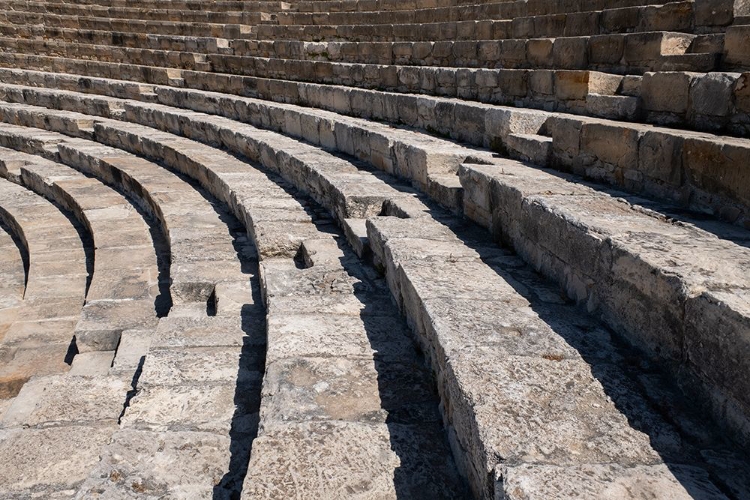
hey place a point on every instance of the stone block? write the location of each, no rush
(660, 158)
(51, 460)
(606, 49)
(667, 92)
(737, 46)
(286, 461)
(571, 85)
(138, 463)
(603, 481)
(711, 94)
(539, 52)
(571, 53)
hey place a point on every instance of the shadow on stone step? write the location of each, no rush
(408, 394)
(663, 412)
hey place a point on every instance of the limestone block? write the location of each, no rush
(560, 400)
(539, 52)
(677, 16)
(593, 481)
(611, 145)
(666, 92)
(67, 399)
(711, 94)
(717, 339)
(660, 158)
(138, 463)
(737, 46)
(102, 322)
(209, 408)
(571, 85)
(606, 49)
(571, 53)
(719, 12)
(718, 167)
(49, 460)
(512, 53)
(319, 335)
(337, 459)
(372, 391)
(620, 20)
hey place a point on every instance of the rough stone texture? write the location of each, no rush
(370, 461)
(604, 481)
(266, 226)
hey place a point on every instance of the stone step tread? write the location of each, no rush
(45, 230)
(12, 271)
(67, 400)
(195, 256)
(524, 347)
(321, 459)
(647, 252)
(113, 222)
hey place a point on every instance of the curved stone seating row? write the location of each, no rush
(712, 101)
(615, 53)
(583, 284)
(124, 283)
(669, 17)
(199, 261)
(152, 41)
(132, 25)
(560, 17)
(159, 14)
(193, 5)
(144, 137)
(430, 10)
(618, 53)
(417, 443)
(14, 279)
(687, 174)
(38, 341)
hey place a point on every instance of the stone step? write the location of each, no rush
(38, 340)
(161, 14)
(515, 11)
(125, 277)
(13, 271)
(192, 5)
(562, 90)
(198, 261)
(579, 144)
(675, 16)
(614, 53)
(153, 408)
(533, 7)
(686, 280)
(128, 25)
(472, 348)
(287, 173)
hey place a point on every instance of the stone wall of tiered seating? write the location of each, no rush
(375, 249)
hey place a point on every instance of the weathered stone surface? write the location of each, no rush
(372, 391)
(67, 400)
(137, 463)
(604, 481)
(345, 459)
(49, 460)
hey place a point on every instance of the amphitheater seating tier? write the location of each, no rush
(375, 249)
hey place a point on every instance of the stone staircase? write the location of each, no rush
(374, 249)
